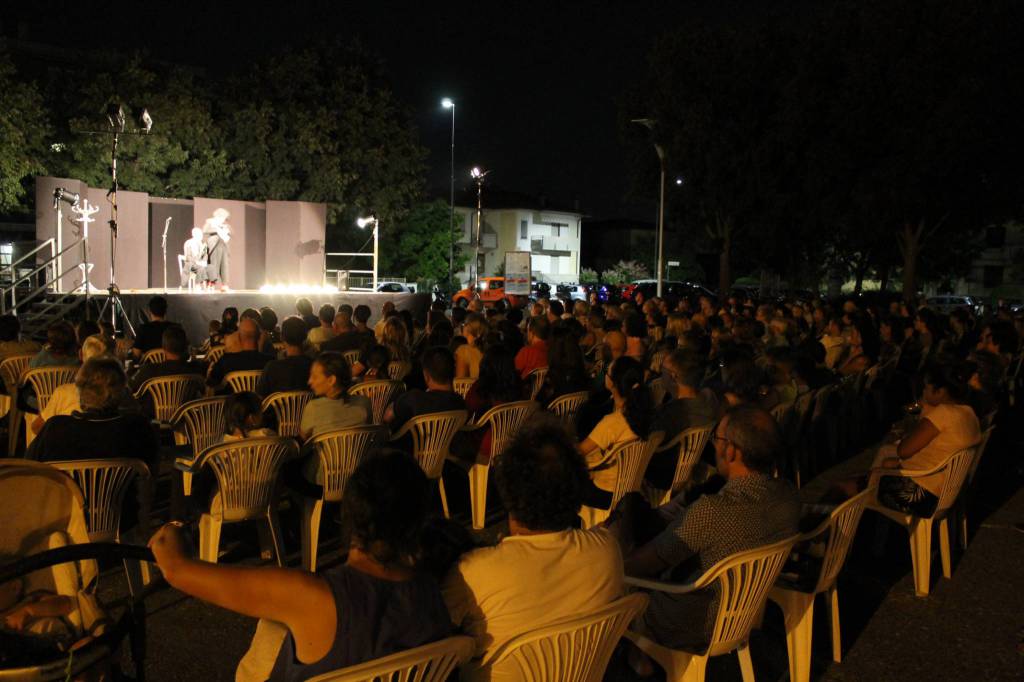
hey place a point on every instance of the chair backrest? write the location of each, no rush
(240, 382)
(842, 527)
(45, 380)
(957, 467)
(200, 422)
(156, 355)
(572, 650)
(821, 399)
(381, 392)
(103, 483)
(351, 357)
(463, 385)
(631, 460)
(979, 451)
(658, 390)
(340, 452)
(287, 407)
(246, 472)
(657, 359)
(567, 406)
(11, 371)
(743, 581)
(214, 354)
(432, 435)
(171, 392)
(399, 369)
(505, 420)
(536, 379)
(428, 663)
(691, 444)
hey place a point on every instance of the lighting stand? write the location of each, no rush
(163, 246)
(113, 302)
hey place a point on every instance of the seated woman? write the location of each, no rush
(630, 419)
(332, 408)
(61, 349)
(498, 383)
(946, 426)
(395, 338)
(64, 399)
(243, 418)
(469, 354)
(376, 604)
(634, 326)
(864, 348)
(567, 368)
(375, 359)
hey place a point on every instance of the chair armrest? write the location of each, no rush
(658, 586)
(401, 432)
(185, 465)
(474, 426)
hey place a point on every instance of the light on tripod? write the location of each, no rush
(115, 116)
(363, 222)
(147, 120)
(476, 172)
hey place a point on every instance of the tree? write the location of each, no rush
(419, 249)
(23, 133)
(588, 276)
(626, 271)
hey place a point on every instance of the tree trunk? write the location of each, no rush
(910, 246)
(859, 271)
(724, 256)
(883, 276)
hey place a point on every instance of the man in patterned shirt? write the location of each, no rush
(751, 510)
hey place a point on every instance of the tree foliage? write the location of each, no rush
(626, 271)
(23, 133)
(419, 244)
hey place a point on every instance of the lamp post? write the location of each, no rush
(478, 176)
(650, 124)
(449, 103)
(362, 223)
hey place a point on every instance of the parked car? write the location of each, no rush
(674, 288)
(571, 292)
(539, 289)
(395, 288)
(948, 303)
(489, 290)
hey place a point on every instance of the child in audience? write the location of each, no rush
(243, 418)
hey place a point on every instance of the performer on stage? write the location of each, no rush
(195, 258)
(217, 233)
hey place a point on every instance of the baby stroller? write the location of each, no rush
(52, 625)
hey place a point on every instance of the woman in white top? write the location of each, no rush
(65, 397)
(469, 354)
(630, 419)
(946, 426)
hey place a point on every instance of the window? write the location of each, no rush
(554, 231)
(523, 229)
(993, 276)
(497, 284)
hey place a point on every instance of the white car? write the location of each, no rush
(572, 292)
(948, 303)
(394, 288)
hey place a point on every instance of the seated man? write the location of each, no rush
(151, 333)
(290, 373)
(246, 358)
(546, 569)
(438, 374)
(682, 372)
(534, 354)
(11, 343)
(325, 330)
(175, 346)
(752, 509)
(348, 336)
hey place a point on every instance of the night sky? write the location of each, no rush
(536, 85)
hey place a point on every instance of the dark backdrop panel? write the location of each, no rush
(180, 230)
(255, 245)
(195, 310)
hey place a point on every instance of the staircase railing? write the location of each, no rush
(50, 275)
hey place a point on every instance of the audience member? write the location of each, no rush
(469, 354)
(151, 333)
(61, 349)
(332, 408)
(290, 373)
(325, 330)
(175, 346)
(439, 396)
(243, 417)
(247, 358)
(64, 399)
(534, 354)
(304, 308)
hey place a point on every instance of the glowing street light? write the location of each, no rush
(478, 175)
(362, 223)
(449, 103)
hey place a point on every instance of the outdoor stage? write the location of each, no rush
(194, 310)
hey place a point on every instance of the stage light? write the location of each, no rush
(363, 222)
(115, 115)
(147, 120)
(475, 172)
(447, 103)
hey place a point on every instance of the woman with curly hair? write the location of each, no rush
(469, 354)
(376, 604)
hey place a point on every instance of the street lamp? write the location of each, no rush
(478, 175)
(650, 124)
(449, 103)
(362, 223)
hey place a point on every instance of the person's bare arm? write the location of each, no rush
(37, 425)
(644, 562)
(292, 597)
(922, 434)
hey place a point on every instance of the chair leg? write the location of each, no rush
(444, 498)
(921, 555)
(689, 668)
(962, 528)
(209, 537)
(833, 609)
(746, 665)
(478, 494)
(944, 547)
(13, 428)
(311, 512)
(798, 613)
(274, 525)
(186, 483)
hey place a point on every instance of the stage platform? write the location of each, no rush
(194, 310)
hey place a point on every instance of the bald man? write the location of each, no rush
(248, 358)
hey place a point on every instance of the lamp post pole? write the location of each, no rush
(476, 237)
(650, 124)
(448, 103)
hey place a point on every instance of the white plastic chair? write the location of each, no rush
(428, 663)
(631, 459)
(658, 390)
(690, 445)
(199, 423)
(536, 379)
(245, 381)
(11, 371)
(44, 381)
(463, 385)
(399, 369)
(351, 357)
(966, 493)
(575, 649)
(339, 453)
(380, 392)
(214, 354)
(798, 605)
(955, 469)
(743, 580)
(567, 407)
(504, 420)
(287, 407)
(154, 356)
(103, 483)
(246, 473)
(431, 436)
(171, 392)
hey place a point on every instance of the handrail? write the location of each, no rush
(12, 289)
(30, 253)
